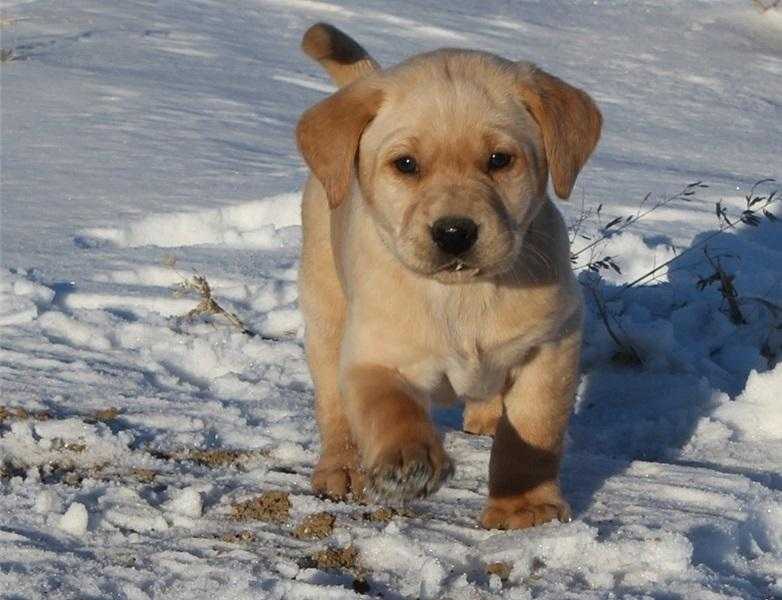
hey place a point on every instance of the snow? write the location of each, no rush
(146, 143)
(20, 299)
(187, 502)
(124, 508)
(45, 502)
(754, 414)
(621, 558)
(75, 519)
(259, 224)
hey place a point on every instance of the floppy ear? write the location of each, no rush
(570, 123)
(329, 132)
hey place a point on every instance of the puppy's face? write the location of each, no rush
(454, 150)
(453, 171)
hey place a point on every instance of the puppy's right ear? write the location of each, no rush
(328, 135)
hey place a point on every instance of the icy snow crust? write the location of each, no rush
(135, 132)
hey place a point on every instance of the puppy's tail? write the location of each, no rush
(338, 53)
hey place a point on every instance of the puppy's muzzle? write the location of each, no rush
(454, 235)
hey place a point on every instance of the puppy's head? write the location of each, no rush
(453, 150)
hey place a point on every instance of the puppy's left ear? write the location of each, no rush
(328, 135)
(569, 121)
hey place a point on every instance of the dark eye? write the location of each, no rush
(499, 160)
(406, 165)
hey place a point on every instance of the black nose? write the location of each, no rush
(454, 235)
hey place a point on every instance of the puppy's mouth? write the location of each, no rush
(459, 266)
(456, 270)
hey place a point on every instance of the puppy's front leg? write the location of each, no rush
(400, 449)
(525, 457)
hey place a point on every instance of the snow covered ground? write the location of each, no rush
(146, 141)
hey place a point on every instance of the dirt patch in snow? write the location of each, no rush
(315, 526)
(15, 413)
(105, 415)
(271, 506)
(336, 558)
(239, 537)
(384, 514)
(216, 458)
(339, 559)
(212, 458)
(143, 475)
(501, 569)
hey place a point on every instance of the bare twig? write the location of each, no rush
(755, 205)
(766, 6)
(626, 351)
(619, 224)
(727, 289)
(208, 305)
(8, 55)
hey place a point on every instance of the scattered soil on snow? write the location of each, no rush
(106, 415)
(213, 458)
(315, 526)
(144, 475)
(342, 559)
(384, 514)
(216, 458)
(239, 537)
(336, 558)
(272, 506)
(500, 569)
(18, 413)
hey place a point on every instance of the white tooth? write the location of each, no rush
(459, 266)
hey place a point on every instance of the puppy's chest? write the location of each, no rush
(475, 362)
(474, 376)
(469, 344)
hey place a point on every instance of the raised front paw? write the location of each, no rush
(338, 474)
(411, 469)
(523, 511)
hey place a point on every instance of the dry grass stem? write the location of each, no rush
(208, 304)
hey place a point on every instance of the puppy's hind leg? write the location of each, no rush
(323, 304)
(481, 417)
(338, 471)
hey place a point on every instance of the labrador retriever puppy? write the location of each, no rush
(436, 269)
